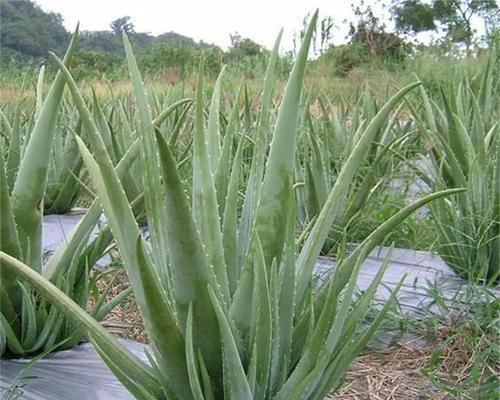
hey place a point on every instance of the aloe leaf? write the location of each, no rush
(333, 375)
(326, 332)
(29, 188)
(191, 272)
(458, 142)
(270, 219)
(69, 179)
(262, 321)
(64, 253)
(208, 389)
(28, 315)
(136, 389)
(166, 337)
(361, 307)
(123, 225)
(213, 126)
(235, 380)
(152, 183)
(91, 328)
(345, 267)
(223, 172)
(254, 185)
(109, 189)
(271, 215)
(39, 91)
(8, 232)
(169, 110)
(194, 380)
(336, 202)
(10, 296)
(286, 306)
(9, 333)
(263, 133)
(230, 221)
(205, 207)
(14, 153)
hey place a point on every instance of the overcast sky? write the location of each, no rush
(211, 21)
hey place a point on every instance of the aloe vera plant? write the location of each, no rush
(463, 130)
(329, 140)
(28, 324)
(225, 294)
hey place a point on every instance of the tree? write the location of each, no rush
(454, 16)
(243, 47)
(28, 31)
(370, 32)
(120, 25)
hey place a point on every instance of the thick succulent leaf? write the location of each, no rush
(28, 316)
(271, 215)
(286, 307)
(213, 124)
(230, 221)
(235, 381)
(14, 153)
(169, 110)
(335, 372)
(167, 340)
(9, 244)
(128, 381)
(270, 218)
(191, 360)
(205, 207)
(129, 364)
(262, 319)
(153, 188)
(326, 333)
(65, 252)
(223, 172)
(110, 191)
(39, 91)
(254, 185)
(191, 272)
(336, 203)
(29, 188)
(344, 269)
(9, 333)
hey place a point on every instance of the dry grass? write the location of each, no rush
(389, 374)
(399, 372)
(124, 320)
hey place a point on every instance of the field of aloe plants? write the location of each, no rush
(218, 199)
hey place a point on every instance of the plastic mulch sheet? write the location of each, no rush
(76, 374)
(425, 272)
(79, 374)
(57, 228)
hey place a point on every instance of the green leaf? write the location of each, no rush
(191, 272)
(235, 381)
(336, 202)
(29, 188)
(191, 360)
(129, 364)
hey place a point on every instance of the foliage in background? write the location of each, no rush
(462, 129)
(325, 147)
(454, 16)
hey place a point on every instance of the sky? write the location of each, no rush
(211, 21)
(214, 20)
